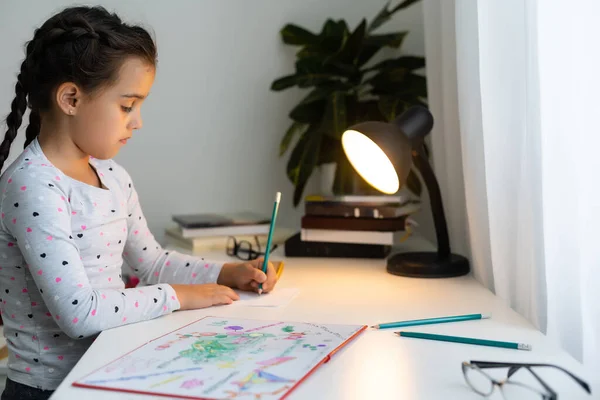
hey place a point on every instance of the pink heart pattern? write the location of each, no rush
(45, 238)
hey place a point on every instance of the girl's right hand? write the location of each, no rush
(205, 295)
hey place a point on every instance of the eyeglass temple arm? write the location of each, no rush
(514, 367)
(257, 243)
(259, 247)
(540, 380)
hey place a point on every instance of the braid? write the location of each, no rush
(33, 129)
(15, 117)
(58, 35)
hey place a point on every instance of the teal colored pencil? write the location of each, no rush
(270, 237)
(429, 321)
(466, 340)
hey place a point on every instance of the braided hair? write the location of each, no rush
(83, 45)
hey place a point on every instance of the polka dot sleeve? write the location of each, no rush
(38, 214)
(150, 261)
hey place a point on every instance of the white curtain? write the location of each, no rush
(514, 86)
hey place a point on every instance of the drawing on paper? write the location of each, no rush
(216, 358)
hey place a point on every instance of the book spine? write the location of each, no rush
(350, 210)
(379, 199)
(345, 236)
(354, 224)
(295, 247)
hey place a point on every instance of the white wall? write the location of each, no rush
(217, 59)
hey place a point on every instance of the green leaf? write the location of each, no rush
(366, 110)
(348, 53)
(406, 62)
(294, 129)
(333, 35)
(309, 113)
(409, 89)
(413, 183)
(318, 93)
(303, 160)
(295, 35)
(384, 15)
(415, 85)
(309, 65)
(390, 107)
(393, 40)
(323, 65)
(311, 51)
(293, 163)
(388, 77)
(329, 151)
(372, 44)
(284, 82)
(309, 80)
(329, 41)
(367, 52)
(334, 119)
(309, 72)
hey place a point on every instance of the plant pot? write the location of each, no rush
(326, 178)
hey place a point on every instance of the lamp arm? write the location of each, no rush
(437, 208)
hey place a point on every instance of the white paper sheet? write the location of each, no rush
(280, 297)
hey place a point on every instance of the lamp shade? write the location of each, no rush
(381, 152)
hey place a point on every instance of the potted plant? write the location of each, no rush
(347, 87)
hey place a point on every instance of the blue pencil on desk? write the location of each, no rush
(429, 321)
(466, 340)
(270, 237)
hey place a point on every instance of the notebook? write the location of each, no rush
(222, 224)
(221, 358)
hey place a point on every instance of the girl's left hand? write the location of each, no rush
(247, 276)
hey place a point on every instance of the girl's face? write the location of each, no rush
(106, 121)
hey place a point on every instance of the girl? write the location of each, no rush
(71, 215)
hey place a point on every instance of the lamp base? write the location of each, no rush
(427, 265)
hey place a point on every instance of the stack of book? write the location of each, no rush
(210, 232)
(351, 226)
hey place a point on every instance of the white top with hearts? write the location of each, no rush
(62, 246)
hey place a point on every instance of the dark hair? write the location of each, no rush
(83, 45)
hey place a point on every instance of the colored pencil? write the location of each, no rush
(429, 321)
(466, 340)
(280, 269)
(270, 237)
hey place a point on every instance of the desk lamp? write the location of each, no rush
(382, 154)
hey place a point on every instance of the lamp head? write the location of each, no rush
(381, 152)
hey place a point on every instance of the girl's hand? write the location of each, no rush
(248, 275)
(192, 297)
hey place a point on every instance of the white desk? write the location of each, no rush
(378, 364)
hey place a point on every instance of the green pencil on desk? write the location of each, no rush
(270, 237)
(429, 321)
(466, 340)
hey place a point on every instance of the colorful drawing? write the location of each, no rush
(234, 328)
(128, 378)
(275, 361)
(166, 381)
(258, 395)
(215, 358)
(257, 377)
(192, 383)
(223, 347)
